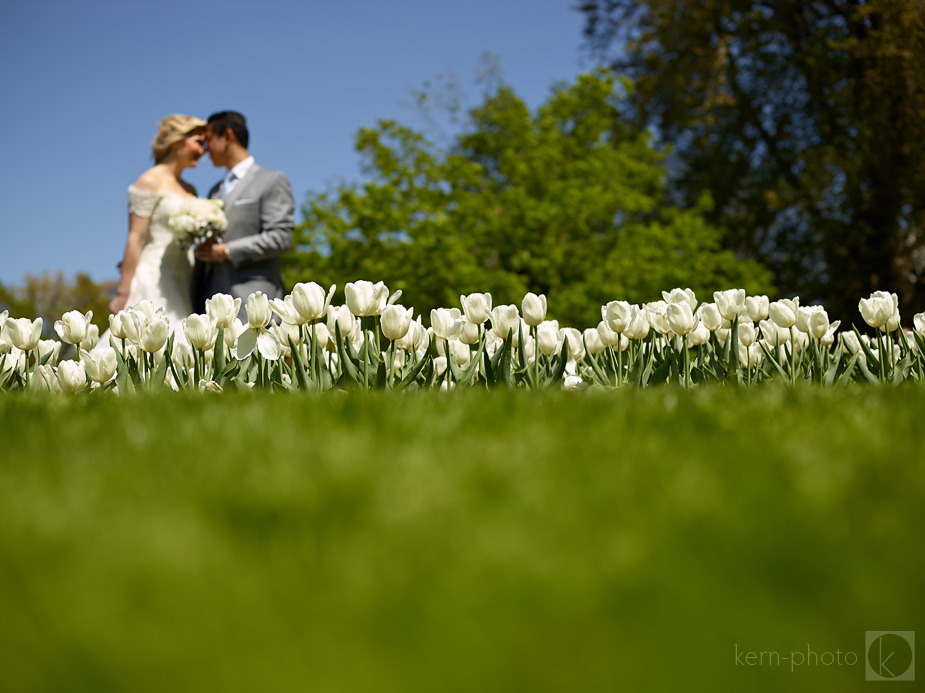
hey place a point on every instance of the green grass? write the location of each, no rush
(476, 541)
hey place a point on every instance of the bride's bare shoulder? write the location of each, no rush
(151, 180)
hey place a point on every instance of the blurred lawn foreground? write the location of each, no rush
(472, 541)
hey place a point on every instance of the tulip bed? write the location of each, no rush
(511, 540)
(372, 342)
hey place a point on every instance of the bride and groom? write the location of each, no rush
(258, 204)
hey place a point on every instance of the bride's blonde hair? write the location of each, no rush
(172, 129)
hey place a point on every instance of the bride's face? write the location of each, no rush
(190, 149)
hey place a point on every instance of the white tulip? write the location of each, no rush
(365, 298)
(23, 333)
(223, 309)
(286, 311)
(310, 300)
(340, 316)
(115, 325)
(446, 323)
(72, 327)
(618, 315)
(757, 307)
(182, 354)
(680, 318)
(469, 333)
(100, 364)
(576, 349)
(50, 348)
(593, 342)
(201, 331)
(92, 339)
(258, 310)
(750, 356)
(655, 311)
(153, 335)
(232, 332)
(639, 326)
(709, 316)
(72, 376)
(547, 333)
(878, 310)
(817, 322)
(461, 353)
(681, 296)
(46, 379)
(396, 320)
(730, 303)
(477, 307)
(699, 336)
(918, 322)
(784, 312)
(504, 320)
(608, 337)
(534, 309)
(746, 333)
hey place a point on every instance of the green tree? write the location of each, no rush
(805, 120)
(49, 297)
(568, 201)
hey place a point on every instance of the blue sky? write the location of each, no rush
(85, 84)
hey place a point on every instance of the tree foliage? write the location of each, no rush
(805, 120)
(568, 201)
(49, 297)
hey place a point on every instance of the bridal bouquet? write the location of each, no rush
(197, 221)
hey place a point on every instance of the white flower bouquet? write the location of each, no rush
(197, 221)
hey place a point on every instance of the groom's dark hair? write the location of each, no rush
(219, 122)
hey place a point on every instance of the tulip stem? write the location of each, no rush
(536, 356)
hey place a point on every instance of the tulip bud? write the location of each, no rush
(115, 325)
(918, 322)
(534, 309)
(477, 307)
(365, 298)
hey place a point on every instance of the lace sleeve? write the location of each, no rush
(142, 202)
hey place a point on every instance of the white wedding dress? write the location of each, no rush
(165, 269)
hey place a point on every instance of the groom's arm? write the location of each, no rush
(277, 219)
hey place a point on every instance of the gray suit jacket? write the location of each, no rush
(261, 214)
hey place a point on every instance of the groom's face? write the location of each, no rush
(218, 147)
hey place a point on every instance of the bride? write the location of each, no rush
(155, 267)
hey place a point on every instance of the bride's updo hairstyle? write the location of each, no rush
(172, 129)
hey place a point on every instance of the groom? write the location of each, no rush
(260, 211)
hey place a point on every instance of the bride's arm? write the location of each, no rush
(137, 234)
